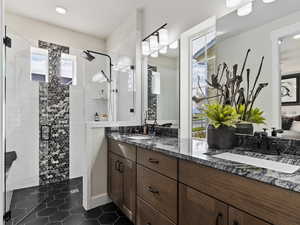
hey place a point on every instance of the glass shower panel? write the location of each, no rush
(22, 132)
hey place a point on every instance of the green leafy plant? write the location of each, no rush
(253, 115)
(221, 115)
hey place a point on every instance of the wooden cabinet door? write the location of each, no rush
(128, 169)
(196, 208)
(115, 179)
(237, 217)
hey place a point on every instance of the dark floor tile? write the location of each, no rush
(57, 223)
(73, 220)
(108, 218)
(47, 212)
(59, 216)
(39, 221)
(94, 213)
(123, 221)
(55, 203)
(90, 222)
(77, 210)
(110, 207)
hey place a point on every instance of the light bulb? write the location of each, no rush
(268, 1)
(245, 10)
(296, 37)
(163, 37)
(153, 43)
(154, 55)
(60, 10)
(174, 45)
(145, 48)
(163, 50)
(232, 3)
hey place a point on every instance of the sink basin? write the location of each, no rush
(263, 163)
(140, 137)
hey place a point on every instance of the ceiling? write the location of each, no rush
(94, 17)
(232, 24)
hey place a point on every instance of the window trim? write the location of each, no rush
(42, 52)
(73, 58)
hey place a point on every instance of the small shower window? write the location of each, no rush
(68, 69)
(39, 64)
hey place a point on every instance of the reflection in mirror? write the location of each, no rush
(162, 89)
(235, 35)
(203, 66)
(290, 80)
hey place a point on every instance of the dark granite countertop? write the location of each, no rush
(197, 151)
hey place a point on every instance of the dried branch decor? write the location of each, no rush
(230, 91)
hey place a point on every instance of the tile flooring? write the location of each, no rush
(63, 206)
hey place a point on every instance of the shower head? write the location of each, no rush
(88, 56)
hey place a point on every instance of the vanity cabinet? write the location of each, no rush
(196, 208)
(122, 178)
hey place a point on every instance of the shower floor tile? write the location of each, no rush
(63, 206)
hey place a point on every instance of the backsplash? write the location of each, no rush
(160, 131)
(269, 145)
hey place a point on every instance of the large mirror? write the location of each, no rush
(161, 87)
(267, 26)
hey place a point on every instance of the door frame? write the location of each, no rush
(185, 74)
(2, 114)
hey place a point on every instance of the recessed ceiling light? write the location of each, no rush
(61, 10)
(268, 1)
(297, 36)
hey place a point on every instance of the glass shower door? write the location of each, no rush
(22, 132)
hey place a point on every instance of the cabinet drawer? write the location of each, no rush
(237, 217)
(159, 191)
(196, 208)
(122, 149)
(148, 215)
(158, 162)
(272, 204)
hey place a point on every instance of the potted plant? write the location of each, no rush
(230, 90)
(222, 123)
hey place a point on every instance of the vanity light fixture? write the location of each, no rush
(158, 38)
(163, 37)
(163, 50)
(145, 48)
(245, 9)
(232, 3)
(268, 1)
(153, 43)
(61, 10)
(297, 36)
(174, 45)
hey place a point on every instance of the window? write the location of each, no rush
(39, 64)
(68, 69)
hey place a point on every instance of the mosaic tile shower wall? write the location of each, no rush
(152, 98)
(54, 121)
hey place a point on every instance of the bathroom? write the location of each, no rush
(122, 114)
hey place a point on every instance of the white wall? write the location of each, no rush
(233, 50)
(36, 30)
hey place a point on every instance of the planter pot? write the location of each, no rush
(220, 138)
(244, 128)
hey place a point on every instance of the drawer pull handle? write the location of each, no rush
(154, 161)
(117, 163)
(219, 218)
(148, 224)
(121, 167)
(152, 190)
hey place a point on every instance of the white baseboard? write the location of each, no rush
(98, 200)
